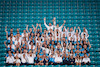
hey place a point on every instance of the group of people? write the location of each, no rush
(55, 45)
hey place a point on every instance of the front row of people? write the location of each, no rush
(31, 58)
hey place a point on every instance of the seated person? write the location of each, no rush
(37, 60)
(44, 60)
(23, 59)
(77, 48)
(30, 57)
(10, 59)
(71, 60)
(17, 60)
(78, 44)
(86, 60)
(65, 59)
(17, 54)
(58, 59)
(51, 59)
(78, 60)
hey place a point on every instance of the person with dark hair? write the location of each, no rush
(8, 53)
(17, 54)
(25, 34)
(53, 46)
(23, 59)
(31, 46)
(30, 58)
(84, 34)
(71, 60)
(10, 60)
(50, 25)
(37, 59)
(51, 59)
(11, 38)
(86, 60)
(72, 53)
(18, 32)
(58, 60)
(78, 60)
(17, 60)
(8, 33)
(10, 47)
(65, 59)
(44, 60)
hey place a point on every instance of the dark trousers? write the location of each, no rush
(7, 64)
(30, 64)
(86, 63)
(65, 62)
(58, 63)
(71, 63)
(50, 63)
(23, 63)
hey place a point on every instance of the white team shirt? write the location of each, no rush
(31, 58)
(57, 36)
(18, 61)
(63, 33)
(86, 60)
(17, 55)
(78, 60)
(10, 59)
(72, 32)
(23, 60)
(59, 28)
(24, 35)
(13, 38)
(82, 34)
(12, 46)
(75, 38)
(31, 46)
(66, 50)
(69, 37)
(49, 27)
(46, 49)
(58, 59)
(16, 42)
